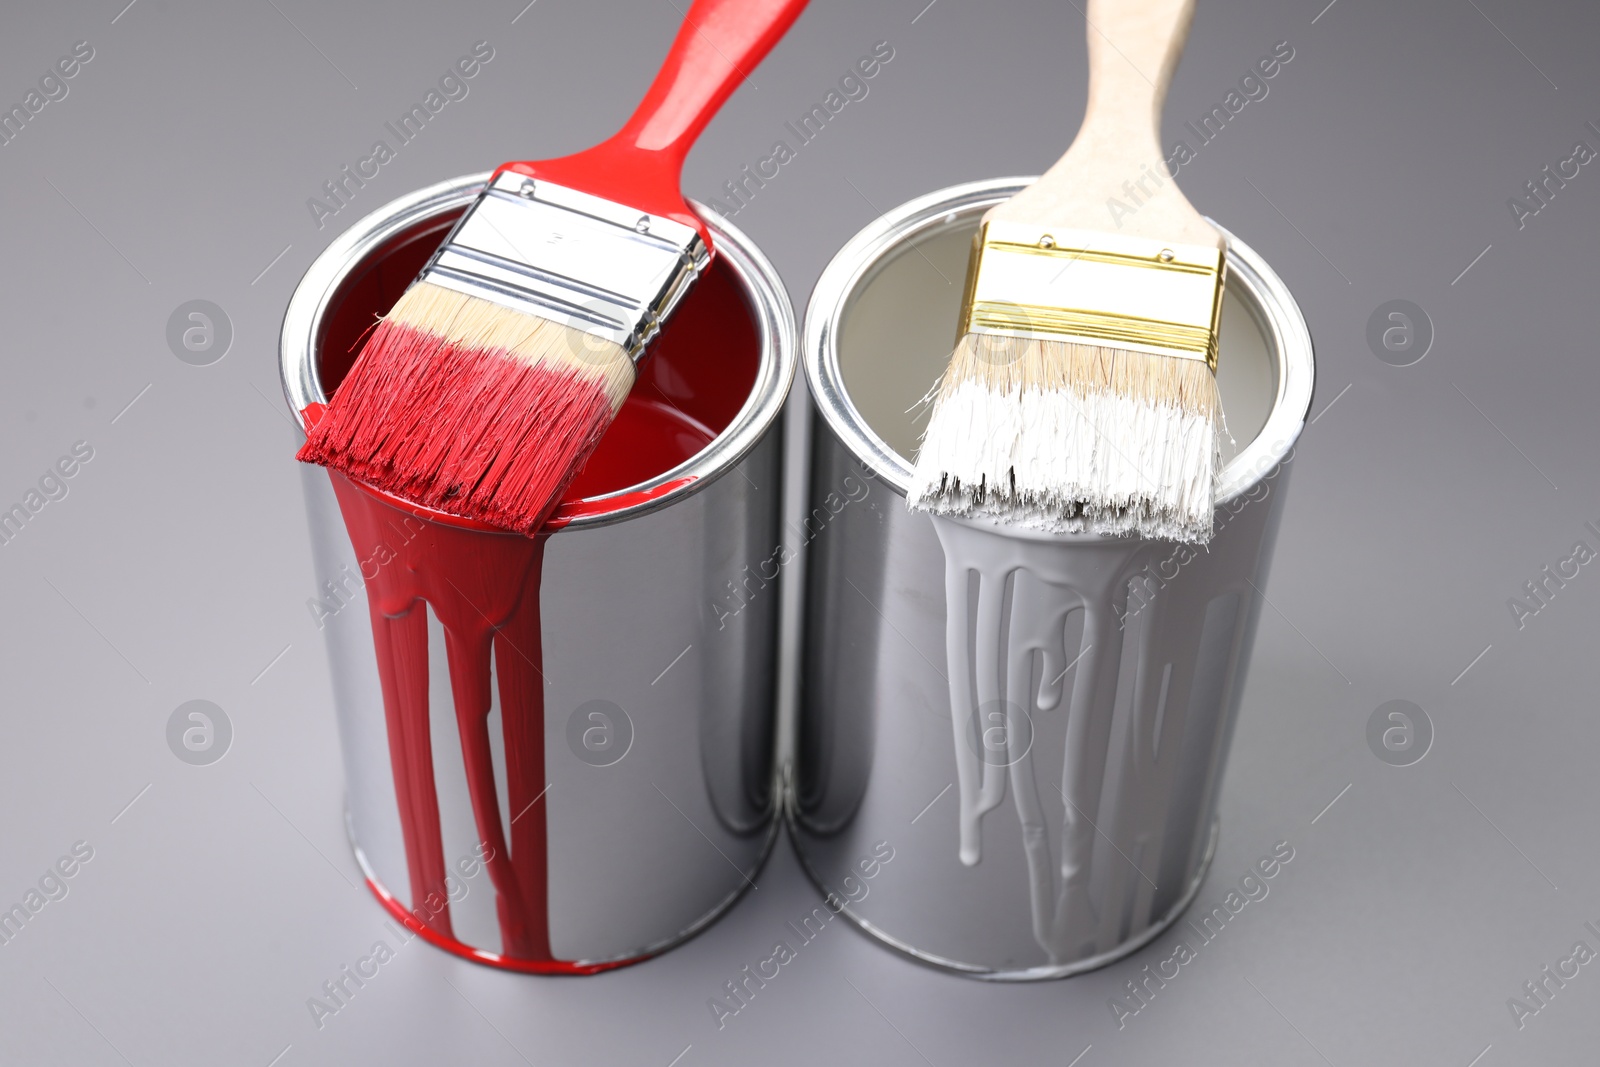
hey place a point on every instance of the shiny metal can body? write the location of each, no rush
(635, 802)
(1036, 724)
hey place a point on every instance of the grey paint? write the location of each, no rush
(220, 900)
(1114, 664)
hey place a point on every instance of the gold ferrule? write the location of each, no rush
(1095, 289)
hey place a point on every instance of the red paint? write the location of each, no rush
(692, 386)
(577, 509)
(478, 955)
(477, 432)
(483, 588)
(720, 42)
(700, 372)
(483, 585)
(662, 438)
(654, 437)
(455, 427)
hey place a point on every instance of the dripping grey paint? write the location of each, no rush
(917, 631)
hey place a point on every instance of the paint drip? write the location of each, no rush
(1037, 628)
(483, 585)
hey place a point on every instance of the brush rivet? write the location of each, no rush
(1047, 241)
(643, 225)
(1165, 255)
(526, 189)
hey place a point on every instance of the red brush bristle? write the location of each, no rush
(469, 431)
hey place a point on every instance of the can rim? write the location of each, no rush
(1271, 305)
(769, 302)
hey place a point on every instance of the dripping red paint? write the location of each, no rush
(483, 587)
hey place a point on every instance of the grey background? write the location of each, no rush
(219, 898)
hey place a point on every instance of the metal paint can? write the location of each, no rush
(655, 804)
(1036, 724)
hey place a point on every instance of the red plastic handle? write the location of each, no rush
(719, 44)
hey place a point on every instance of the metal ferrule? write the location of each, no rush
(588, 263)
(1095, 288)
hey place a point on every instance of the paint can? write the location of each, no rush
(559, 750)
(1036, 724)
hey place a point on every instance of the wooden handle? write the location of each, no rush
(1114, 177)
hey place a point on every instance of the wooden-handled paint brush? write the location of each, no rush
(1082, 393)
(488, 385)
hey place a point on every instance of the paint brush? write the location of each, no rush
(487, 386)
(1082, 393)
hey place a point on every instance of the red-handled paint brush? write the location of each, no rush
(485, 389)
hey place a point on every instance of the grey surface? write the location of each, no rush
(176, 568)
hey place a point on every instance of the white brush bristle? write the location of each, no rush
(1068, 438)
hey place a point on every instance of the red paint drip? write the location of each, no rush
(483, 585)
(478, 955)
(483, 588)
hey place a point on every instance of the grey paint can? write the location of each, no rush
(655, 801)
(1036, 724)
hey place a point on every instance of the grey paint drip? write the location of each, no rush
(1008, 658)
